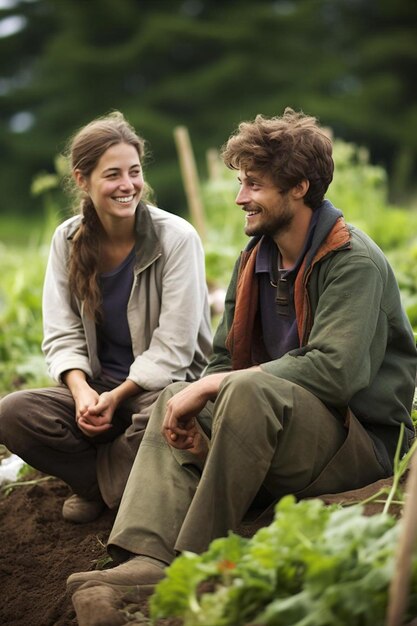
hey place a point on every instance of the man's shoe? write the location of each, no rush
(81, 511)
(99, 604)
(140, 570)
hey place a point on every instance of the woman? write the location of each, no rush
(125, 313)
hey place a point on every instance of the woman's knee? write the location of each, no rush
(13, 408)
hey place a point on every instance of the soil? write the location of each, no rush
(39, 550)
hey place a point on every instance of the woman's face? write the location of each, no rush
(116, 183)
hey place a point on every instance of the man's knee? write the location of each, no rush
(159, 408)
(239, 394)
(245, 396)
(250, 385)
(237, 381)
(167, 393)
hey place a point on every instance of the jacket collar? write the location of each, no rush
(148, 246)
(327, 218)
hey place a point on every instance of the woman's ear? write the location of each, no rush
(80, 180)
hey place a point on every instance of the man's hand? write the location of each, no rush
(180, 427)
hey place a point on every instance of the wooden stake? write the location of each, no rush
(400, 584)
(190, 179)
(213, 163)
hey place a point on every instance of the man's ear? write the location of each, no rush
(80, 180)
(300, 190)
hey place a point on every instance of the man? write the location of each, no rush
(312, 372)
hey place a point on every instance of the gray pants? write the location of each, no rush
(267, 433)
(39, 426)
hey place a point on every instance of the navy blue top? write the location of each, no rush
(276, 296)
(113, 335)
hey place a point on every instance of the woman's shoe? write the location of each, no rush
(78, 510)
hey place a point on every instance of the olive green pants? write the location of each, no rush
(267, 432)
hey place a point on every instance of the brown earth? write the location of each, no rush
(39, 550)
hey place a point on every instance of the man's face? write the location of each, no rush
(268, 210)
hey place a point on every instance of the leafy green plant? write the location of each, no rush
(313, 566)
(23, 270)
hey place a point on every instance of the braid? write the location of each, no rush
(83, 262)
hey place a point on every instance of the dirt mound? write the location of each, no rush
(39, 550)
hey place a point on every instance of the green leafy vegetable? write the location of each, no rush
(313, 566)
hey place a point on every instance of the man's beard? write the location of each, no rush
(274, 225)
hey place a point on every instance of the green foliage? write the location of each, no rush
(23, 270)
(401, 466)
(360, 190)
(414, 410)
(225, 236)
(25, 471)
(404, 260)
(313, 566)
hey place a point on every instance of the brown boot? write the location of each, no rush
(78, 510)
(140, 570)
(99, 604)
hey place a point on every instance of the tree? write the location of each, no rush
(207, 65)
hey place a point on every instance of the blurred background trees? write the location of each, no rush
(208, 65)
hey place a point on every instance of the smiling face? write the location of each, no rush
(268, 210)
(116, 183)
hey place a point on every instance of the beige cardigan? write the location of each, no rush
(168, 312)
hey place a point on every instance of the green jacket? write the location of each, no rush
(357, 347)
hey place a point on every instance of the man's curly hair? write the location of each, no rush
(290, 148)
